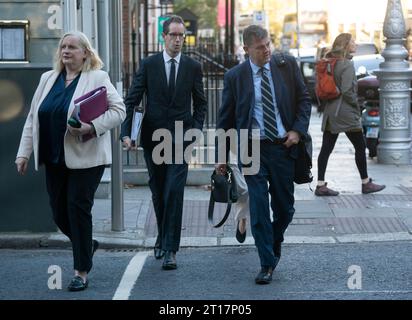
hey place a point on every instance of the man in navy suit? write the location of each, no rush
(171, 81)
(268, 96)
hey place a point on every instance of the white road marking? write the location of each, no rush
(130, 276)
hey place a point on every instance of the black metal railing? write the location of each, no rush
(213, 74)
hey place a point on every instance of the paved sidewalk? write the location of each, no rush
(350, 217)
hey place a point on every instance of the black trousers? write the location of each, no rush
(167, 183)
(328, 143)
(71, 194)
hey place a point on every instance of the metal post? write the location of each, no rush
(394, 94)
(297, 29)
(133, 51)
(115, 19)
(146, 29)
(226, 58)
(69, 15)
(140, 31)
(232, 30)
(103, 32)
(89, 21)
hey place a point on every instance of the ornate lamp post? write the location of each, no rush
(394, 81)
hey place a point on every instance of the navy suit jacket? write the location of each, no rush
(159, 111)
(292, 97)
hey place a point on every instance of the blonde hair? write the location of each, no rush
(92, 61)
(340, 47)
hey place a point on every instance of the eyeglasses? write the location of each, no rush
(176, 35)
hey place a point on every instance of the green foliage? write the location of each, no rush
(206, 10)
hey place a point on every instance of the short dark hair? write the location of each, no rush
(172, 19)
(253, 31)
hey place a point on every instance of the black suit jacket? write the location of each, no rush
(159, 111)
(292, 97)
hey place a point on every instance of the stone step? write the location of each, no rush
(197, 176)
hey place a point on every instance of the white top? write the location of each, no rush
(168, 64)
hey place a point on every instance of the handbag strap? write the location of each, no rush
(211, 210)
(229, 204)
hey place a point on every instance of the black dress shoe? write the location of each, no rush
(159, 253)
(77, 284)
(95, 246)
(264, 276)
(169, 263)
(240, 236)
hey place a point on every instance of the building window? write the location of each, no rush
(13, 41)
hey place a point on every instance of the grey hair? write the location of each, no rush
(253, 32)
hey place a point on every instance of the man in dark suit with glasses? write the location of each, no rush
(171, 82)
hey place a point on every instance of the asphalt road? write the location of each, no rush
(380, 270)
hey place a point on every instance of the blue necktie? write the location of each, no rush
(172, 78)
(269, 116)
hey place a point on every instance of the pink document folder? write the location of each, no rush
(90, 106)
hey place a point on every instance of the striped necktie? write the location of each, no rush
(269, 116)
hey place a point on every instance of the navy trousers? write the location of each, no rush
(275, 176)
(167, 183)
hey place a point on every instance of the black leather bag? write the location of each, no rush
(303, 163)
(224, 190)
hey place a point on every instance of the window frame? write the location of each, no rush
(16, 24)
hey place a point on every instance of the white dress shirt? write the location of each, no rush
(257, 115)
(168, 64)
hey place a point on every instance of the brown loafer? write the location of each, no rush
(324, 191)
(371, 187)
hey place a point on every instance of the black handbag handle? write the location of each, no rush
(212, 206)
(211, 209)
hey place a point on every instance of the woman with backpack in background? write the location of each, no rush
(342, 114)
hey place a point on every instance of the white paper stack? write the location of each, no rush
(136, 125)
